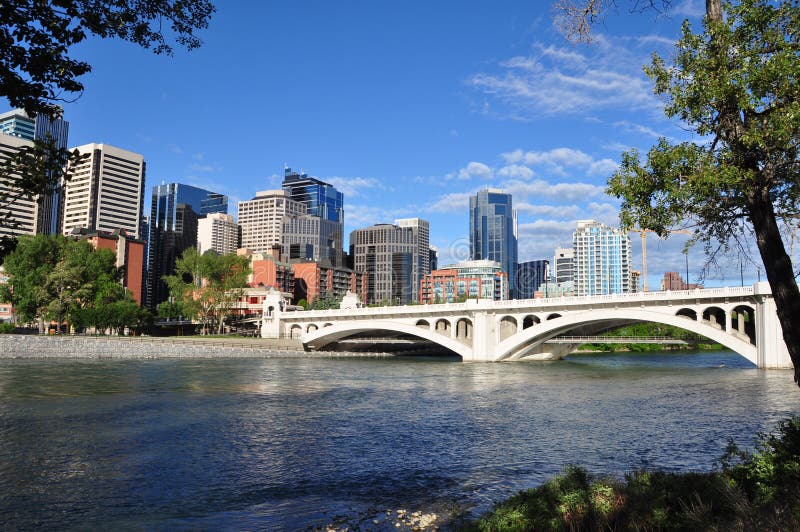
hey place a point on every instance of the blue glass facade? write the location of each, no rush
(493, 232)
(530, 276)
(320, 198)
(174, 212)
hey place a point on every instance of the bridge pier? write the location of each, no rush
(772, 351)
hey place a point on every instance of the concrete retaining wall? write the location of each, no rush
(94, 347)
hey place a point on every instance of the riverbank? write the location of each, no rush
(751, 491)
(145, 347)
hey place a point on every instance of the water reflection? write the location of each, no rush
(294, 443)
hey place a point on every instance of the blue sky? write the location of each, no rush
(407, 107)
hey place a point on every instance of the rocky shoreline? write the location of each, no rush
(18, 346)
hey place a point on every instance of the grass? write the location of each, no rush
(757, 490)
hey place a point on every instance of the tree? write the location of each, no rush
(36, 37)
(208, 285)
(28, 268)
(735, 85)
(575, 18)
(37, 71)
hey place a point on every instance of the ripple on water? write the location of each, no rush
(302, 443)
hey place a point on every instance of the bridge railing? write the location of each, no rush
(543, 303)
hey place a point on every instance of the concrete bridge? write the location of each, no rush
(742, 319)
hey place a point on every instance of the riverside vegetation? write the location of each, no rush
(757, 490)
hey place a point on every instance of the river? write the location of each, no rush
(298, 444)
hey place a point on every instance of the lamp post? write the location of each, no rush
(741, 270)
(686, 255)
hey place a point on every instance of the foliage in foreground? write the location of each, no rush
(751, 491)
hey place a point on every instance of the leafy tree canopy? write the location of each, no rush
(735, 85)
(36, 68)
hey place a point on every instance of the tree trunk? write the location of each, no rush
(714, 9)
(779, 271)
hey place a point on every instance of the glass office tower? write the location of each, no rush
(493, 232)
(174, 213)
(320, 198)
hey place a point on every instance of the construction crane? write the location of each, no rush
(643, 233)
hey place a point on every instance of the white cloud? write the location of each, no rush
(354, 186)
(638, 128)
(689, 8)
(473, 169)
(550, 211)
(516, 171)
(602, 168)
(555, 80)
(558, 191)
(358, 216)
(453, 202)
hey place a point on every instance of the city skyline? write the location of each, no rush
(404, 127)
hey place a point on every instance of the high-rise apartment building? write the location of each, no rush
(217, 232)
(262, 219)
(493, 231)
(17, 123)
(602, 259)
(17, 217)
(174, 214)
(564, 265)
(387, 254)
(322, 200)
(106, 191)
(530, 276)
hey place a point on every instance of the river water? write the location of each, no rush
(304, 443)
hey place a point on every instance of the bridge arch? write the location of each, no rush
(508, 327)
(423, 324)
(328, 335)
(516, 346)
(530, 320)
(296, 331)
(443, 326)
(311, 328)
(687, 313)
(715, 316)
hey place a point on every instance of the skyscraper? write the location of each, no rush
(263, 216)
(321, 199)
(106, 191)
(217, 232)
(17, 123)
(564, 265)
(530, 276)
(17, 217)
(387, 254)
(174, 213)
(422, 259)
(602, 259)
(493, 231)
